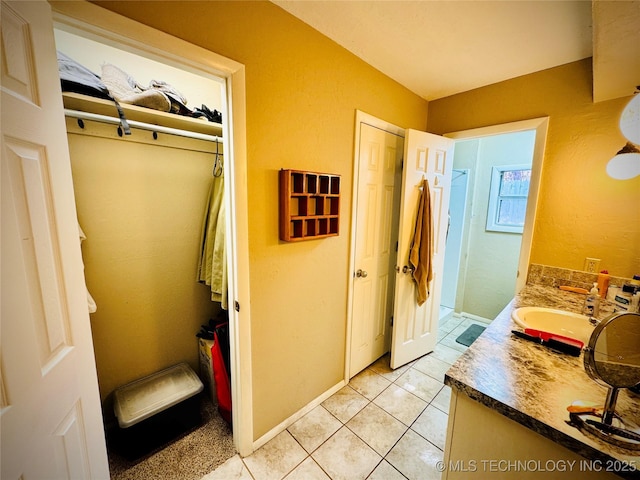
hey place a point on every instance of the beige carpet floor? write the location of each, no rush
(190, 456)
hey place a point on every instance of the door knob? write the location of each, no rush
(361, 273)
(407, 269)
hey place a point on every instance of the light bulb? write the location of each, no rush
(624, 166)
(630, 120)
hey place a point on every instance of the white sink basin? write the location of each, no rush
(568, 324)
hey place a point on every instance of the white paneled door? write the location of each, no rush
(377, 198)
(415, 327)
(50, 416)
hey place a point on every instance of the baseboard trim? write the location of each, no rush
(296, 416)
(475, 317)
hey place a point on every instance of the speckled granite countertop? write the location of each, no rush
(533, 385)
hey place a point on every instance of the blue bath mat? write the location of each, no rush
(470, 334)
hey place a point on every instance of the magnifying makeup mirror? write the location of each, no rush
(612, 359)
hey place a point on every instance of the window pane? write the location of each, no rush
(508, 198)
(515, 182)
(511, 211)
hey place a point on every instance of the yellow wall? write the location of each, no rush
(581, 211)
(302, 92)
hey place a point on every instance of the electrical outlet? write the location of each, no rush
(591, 265)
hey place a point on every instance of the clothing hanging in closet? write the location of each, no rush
(213, 264)
(93, 308)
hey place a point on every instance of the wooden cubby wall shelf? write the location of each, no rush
(309, 205)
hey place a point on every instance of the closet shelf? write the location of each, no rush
(86, 103)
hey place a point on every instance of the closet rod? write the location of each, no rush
(142, 125)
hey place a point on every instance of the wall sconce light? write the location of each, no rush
(626, 164)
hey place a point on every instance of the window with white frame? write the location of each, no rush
(508, 198)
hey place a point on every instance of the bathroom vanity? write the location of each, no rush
(508, 416)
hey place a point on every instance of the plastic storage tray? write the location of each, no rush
(150, 395)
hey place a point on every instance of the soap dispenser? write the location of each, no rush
(592, 302)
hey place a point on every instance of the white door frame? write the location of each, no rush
(361, 117)
(540, 125)
(95, 22)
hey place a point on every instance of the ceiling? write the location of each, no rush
(438, 48)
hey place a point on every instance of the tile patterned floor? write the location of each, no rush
(386, 424)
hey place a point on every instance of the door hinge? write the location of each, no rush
(391, 321)
(237, 306)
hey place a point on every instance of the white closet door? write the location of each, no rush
(378, 202)
(51, 422)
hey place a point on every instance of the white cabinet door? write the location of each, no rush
(415, 327)
(50, 415)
